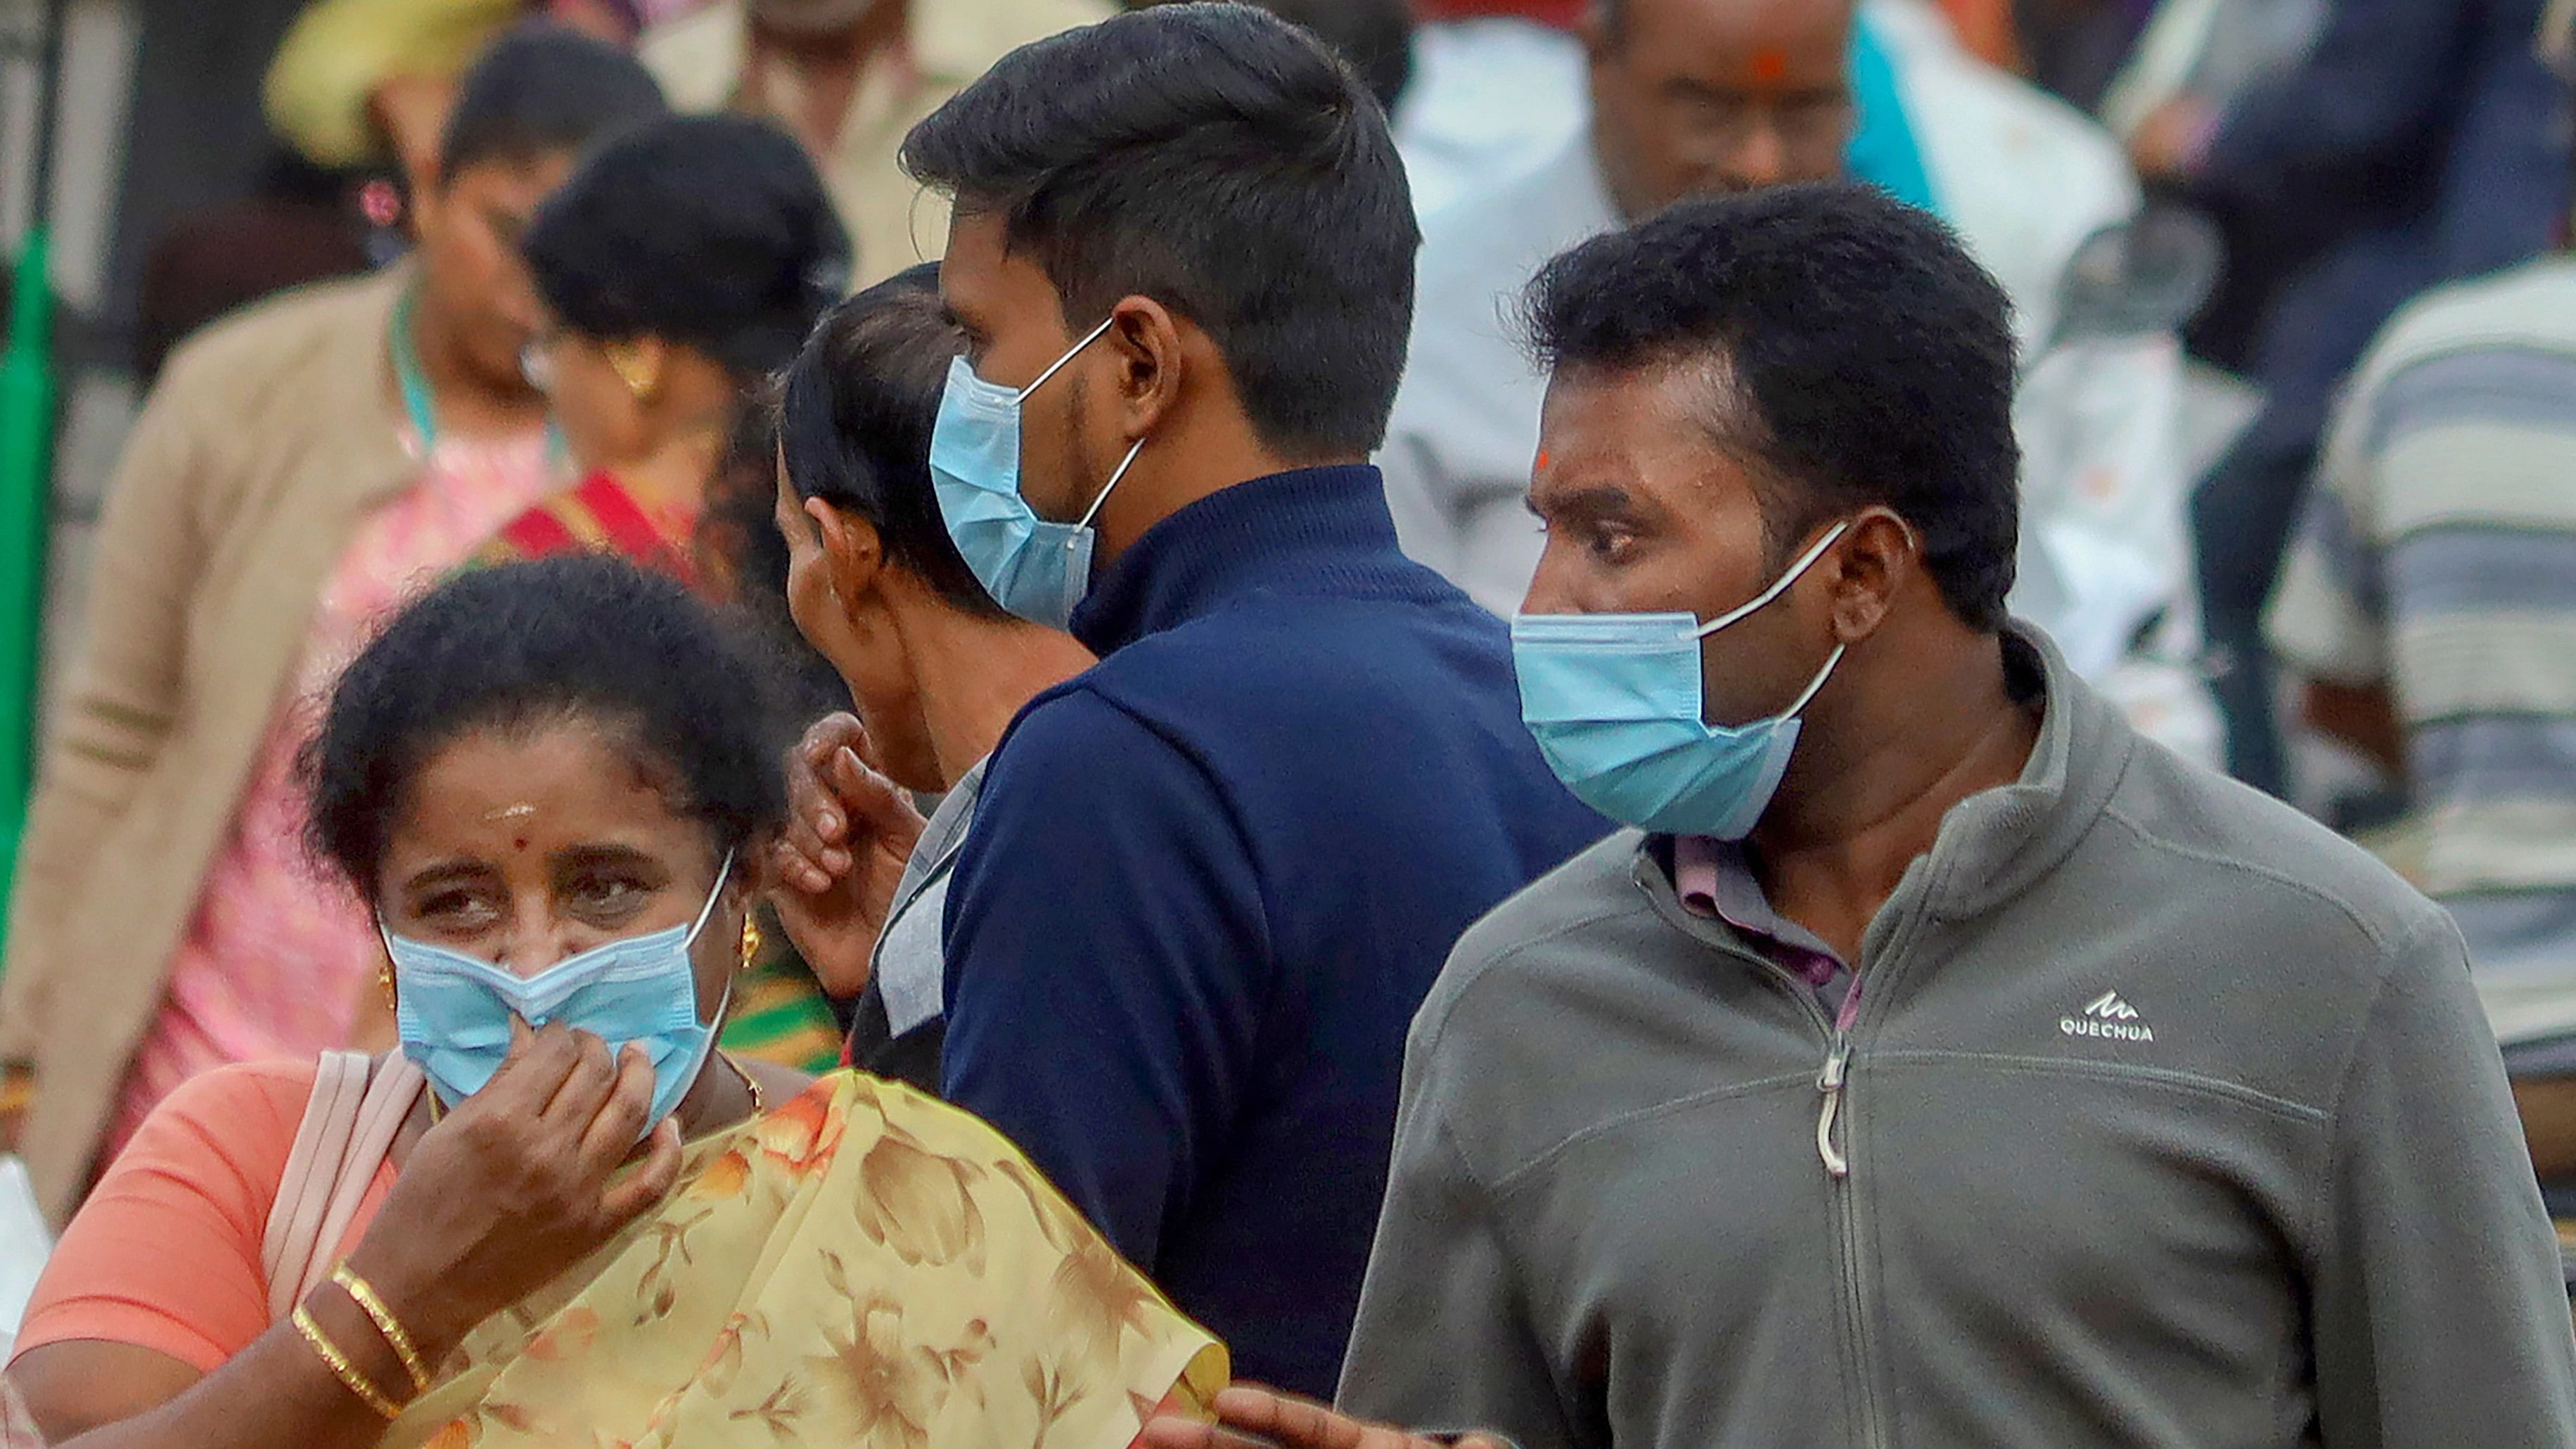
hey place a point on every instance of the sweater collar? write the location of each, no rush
(1994, 844)
(1311, 530)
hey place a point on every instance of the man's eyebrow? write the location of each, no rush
(1589, 499)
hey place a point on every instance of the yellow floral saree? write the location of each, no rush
(861, 1266)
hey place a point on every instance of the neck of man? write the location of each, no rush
(466, 402)
(1929, 722)
(974, 674)
(1186, 460)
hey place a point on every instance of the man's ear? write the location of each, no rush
(1877, 556)
(853, 551)
(1151, 362)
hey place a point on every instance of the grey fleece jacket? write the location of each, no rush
(2168, 1119)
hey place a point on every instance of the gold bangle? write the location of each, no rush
(386, 1324)
(340, 1367)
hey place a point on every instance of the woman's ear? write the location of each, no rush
(755, 871)
(853, 552)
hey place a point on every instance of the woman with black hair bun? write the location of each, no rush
(679, 267)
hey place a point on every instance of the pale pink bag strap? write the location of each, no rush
(312, 1169)
(388, 1106)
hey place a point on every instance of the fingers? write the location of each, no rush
(585, 1088)
(536, 1067)
(799, 862)
(829, 736)
(652, 1180)
(1258, 1416)
(1176, 1433)
(620, 1119)
(1301, 1423)
(879, 803)
(815, 849)
(810, 849)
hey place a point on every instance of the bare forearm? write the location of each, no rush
(276, 1391)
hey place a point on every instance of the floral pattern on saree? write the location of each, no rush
(861, 1266)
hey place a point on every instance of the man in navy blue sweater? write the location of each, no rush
(1211, 880)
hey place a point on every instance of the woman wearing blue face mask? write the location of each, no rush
(558, 1215)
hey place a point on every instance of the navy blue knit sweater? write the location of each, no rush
(1211, 880)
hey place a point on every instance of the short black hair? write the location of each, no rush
(541, 90)
(1373, 37)
(855, 414)
(1221, 161)
(577, 637)
(712, 231)
(1864, 357)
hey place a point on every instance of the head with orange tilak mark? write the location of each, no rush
(1694, 97)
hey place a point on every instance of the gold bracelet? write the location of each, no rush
(391, 1327)
(340, 1367)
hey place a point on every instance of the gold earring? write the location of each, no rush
(751, 941)
(634, 369)
(385, 979)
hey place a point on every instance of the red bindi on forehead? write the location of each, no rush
(1769, 66)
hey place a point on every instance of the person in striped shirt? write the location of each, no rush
(2430, 603)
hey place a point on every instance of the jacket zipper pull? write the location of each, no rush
(1830, 1083)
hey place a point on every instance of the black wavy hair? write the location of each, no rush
(1374, 37)
(855, 414)
(541, 90)
(578, 637)
(1223, 162)
(711, 231)
(1864, 358)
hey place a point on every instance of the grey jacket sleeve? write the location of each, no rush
(2439, 1304)
(1443, 1344)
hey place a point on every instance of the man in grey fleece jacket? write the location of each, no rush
(2011, 1082)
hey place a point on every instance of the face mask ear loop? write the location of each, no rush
(723, 873)
(1124, 464)
(1795, 571)
(1817, 684)
(1088, 338)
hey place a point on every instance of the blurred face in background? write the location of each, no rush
(594, 389)
(619, 402)
(600, 19)
(1692, 97)
(472, 275)
(809, 18)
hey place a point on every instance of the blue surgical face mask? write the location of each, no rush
(453, 1011)
(1616, 704)
(1035, 568)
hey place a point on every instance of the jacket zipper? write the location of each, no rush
(1829, 1082)
(1833, 1111)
